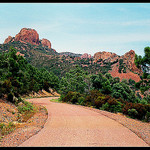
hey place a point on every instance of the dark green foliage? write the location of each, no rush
(81, 100)
(140, 108)
(74, 80)
(124, 91)
(18, 77)
(144, 64)
(112, 108)
(147, 117)
(101, 100)
(132, 113)
(10, 97)
(102, 83)
(121, 66)
(77, 81)
(72, 97)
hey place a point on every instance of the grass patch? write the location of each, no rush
(26, 110)
(6, 129)
(56, 100)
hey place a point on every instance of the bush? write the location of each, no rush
(112, 101)
(61, 98)
(71, 97)
(93, 96)
(105, 107)
(67, 97)
(147, 117)
(101, 100)
(115, 108)
(75, 97)
(140, 108)
(27, 107)
(81, 101)
(6, 129)
(10, 98)
(132, 113)
(127, 107)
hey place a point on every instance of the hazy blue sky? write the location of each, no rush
(81, 27)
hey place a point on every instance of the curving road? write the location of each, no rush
(71, 125)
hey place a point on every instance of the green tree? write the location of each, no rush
(144, 64)
(74, 80)
(18, 77)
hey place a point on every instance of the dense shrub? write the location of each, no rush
(93, 95)
(75, 97)
(81, 100)
(140, 108)
(112, 105)
(105, 107)
(10, 97)
(132, 113)
(147, 117)
(72, 97)
(18, 77)
(101, 100)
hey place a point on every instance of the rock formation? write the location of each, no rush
(128, 59)
(28, 35)
(8, 39)
(46, 42)
(108, 56)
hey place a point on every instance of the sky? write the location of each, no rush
(81, 27)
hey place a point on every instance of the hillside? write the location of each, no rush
(40, 53)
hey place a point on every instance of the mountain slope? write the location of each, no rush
(40, 54)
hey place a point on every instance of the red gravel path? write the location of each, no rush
(71, 125)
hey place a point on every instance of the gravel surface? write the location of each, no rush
(37, 122)
(30, 128)
(141, 129)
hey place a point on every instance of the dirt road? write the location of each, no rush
(71, 125)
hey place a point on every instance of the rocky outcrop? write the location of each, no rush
(85, 55)
(108, 56)
(7, 40)
(128, 59)
(46, 42)
(28, 35)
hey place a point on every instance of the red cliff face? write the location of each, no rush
(28, 35)
(46, 42)
(105, 56)
(128, 58)
(8, 39)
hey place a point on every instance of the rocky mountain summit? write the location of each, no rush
(29, 35)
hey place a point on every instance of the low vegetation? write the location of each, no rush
(6, 129)
(76, 85)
